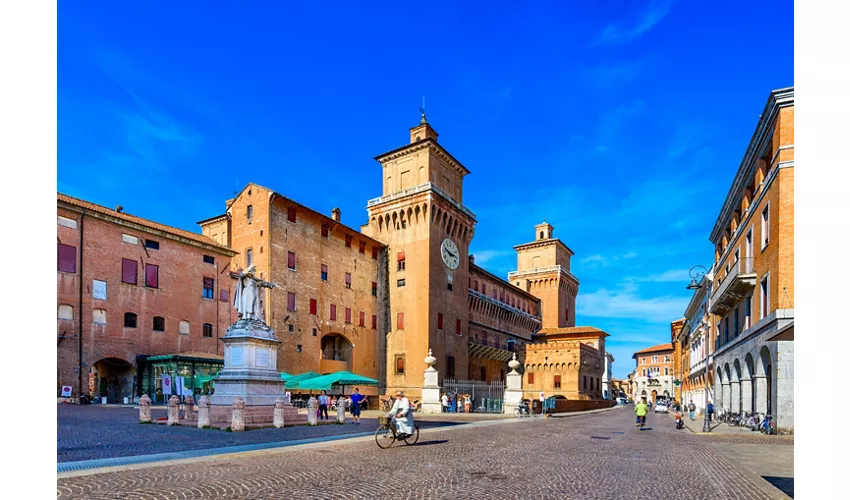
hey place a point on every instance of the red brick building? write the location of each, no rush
(129, 288)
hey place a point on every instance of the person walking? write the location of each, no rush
(691, 409)
(323, 405)
(467, 403)
(640, 412)
(445, 403)
(453, 402)
(710, 409)
(356, 399)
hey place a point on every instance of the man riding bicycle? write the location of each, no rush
(640, 412)
(402, 416)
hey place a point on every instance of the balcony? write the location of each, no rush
(738, 282)
(481, 349)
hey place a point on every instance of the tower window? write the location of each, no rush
(324, 231)
(207, 330)
(347, 280)
(333, 312)
(374, 289)
(348, 241)
(250, 213)
(290, 214)
(130, 320)
(401, 261)
(363, 247)
(439, 321)
(324, 272)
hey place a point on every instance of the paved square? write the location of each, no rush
(592, 456)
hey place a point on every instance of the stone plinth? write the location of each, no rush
(279, 414)
(312, 408)
(250, 366)
(431, 389)
(237, 423)
(513, 387)
(189, 408)
(173, 410)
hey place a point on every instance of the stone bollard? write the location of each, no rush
(189, 409)
(204, 412)
(173, 410)
(145, 409)
(238, 422)
(312, 408)
(278, 413)
(340, 411)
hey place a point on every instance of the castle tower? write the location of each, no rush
(543, 269)
(422, 220)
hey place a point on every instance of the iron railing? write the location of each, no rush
(487, 397)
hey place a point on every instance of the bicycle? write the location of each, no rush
(522, 409)
(386, 434)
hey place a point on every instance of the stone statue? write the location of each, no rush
(248, 300)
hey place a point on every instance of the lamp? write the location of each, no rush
(695, 275)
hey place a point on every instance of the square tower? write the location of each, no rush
(543, 269)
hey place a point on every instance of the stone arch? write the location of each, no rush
(410, 214)
(736, 370)
(765, 360)
(113, 379)
(727, 373)
(443, 221)
(416, 213)
(336, 353)
(749, 366)
(449, 223)
(395, 220)
(387, 221)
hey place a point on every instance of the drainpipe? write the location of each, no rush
(80, 311)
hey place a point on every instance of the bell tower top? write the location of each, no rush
(424, 129)
(543, 231)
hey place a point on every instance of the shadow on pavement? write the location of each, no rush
(784, 484)
(433, 441)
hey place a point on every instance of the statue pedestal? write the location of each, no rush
(513, 387)
(250, 367)
(431, 389)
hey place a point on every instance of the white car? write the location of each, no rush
(660, 407)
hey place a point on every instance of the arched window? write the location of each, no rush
(207, 330)
(65, 312)
(541, 235)
(158, 324)
(130, 320)
(98, 316)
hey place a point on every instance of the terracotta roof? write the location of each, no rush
(576, 331)
(656, 348)
(199, 238)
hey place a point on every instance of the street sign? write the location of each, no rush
(66, 391)
(677, 383)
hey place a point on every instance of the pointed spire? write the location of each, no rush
(424, 120)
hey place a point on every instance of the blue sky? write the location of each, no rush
(622, 126)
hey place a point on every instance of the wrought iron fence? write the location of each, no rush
(487, 397)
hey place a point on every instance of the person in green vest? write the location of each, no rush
(640, 411)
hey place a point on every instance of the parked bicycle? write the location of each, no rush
(386, 435)
(766, 426)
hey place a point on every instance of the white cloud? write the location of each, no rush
(484, 256)
(667, 276)
(630, 255)
(616, 34)
(626, 303)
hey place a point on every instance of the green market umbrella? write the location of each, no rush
(325, 382)
(285, 376)
(292, 382)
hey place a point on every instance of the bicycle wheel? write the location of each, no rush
(517, 412)
(413, 438)
(384, 437)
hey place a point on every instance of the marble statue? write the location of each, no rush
(248, 300)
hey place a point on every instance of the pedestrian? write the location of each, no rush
(323, 405)
(356, 399)
(691, 409)
(445, 403)
(710, 409)
(453, 402)
(467, 403)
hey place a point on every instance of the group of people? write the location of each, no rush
(641, 409)
(451, 403)
(352, 403)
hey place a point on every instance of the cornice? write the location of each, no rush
(778, 99)
(428, 143)
(542, 243)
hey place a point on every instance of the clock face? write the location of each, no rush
(450, 254)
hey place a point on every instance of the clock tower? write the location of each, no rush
(422, 220)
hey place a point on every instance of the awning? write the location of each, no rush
(292, 382)
(324, 382)
(285, 376)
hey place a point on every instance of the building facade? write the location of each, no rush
(752, 295)
(608, 389)
(129, 288)
(698, 347)
(654, 373)
(566, 362)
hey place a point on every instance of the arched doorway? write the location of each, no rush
(113, 378)
(337, 353)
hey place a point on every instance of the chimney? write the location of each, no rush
(119, 209)
(472, 259)
(336, 214)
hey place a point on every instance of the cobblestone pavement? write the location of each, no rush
(774, 464)
(597, 456)
(92, 432)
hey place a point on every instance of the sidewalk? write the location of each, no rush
(716, 427)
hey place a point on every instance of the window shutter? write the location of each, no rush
(375, 253)
(399, 321)
(439, 321)
(401, 256)
(290, 301)
(291, 214)
(348, 315)
(152, 275)
(333, 312)
(225, 295)
(209, 283)
(362, 318)
(312, 306)
(374, 322)
(348, 241)
(291, 260)
(67, 258)
(363, 247)
(129, 271)
(348, 279)
(457, 327)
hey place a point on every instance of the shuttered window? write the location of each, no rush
(348, 315)
(399, 322)
(129, 271)
(151, 275)
(67, 258)
(374, 322)
(439, 321)
(375, 253)
(347, 280)
(290, 301)
(457, 327)
(348, 241)
(363, 247)
(290, 260)
(333, 312)
(209, 288)
(313, 306)
(290, 215)
(362, 318)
